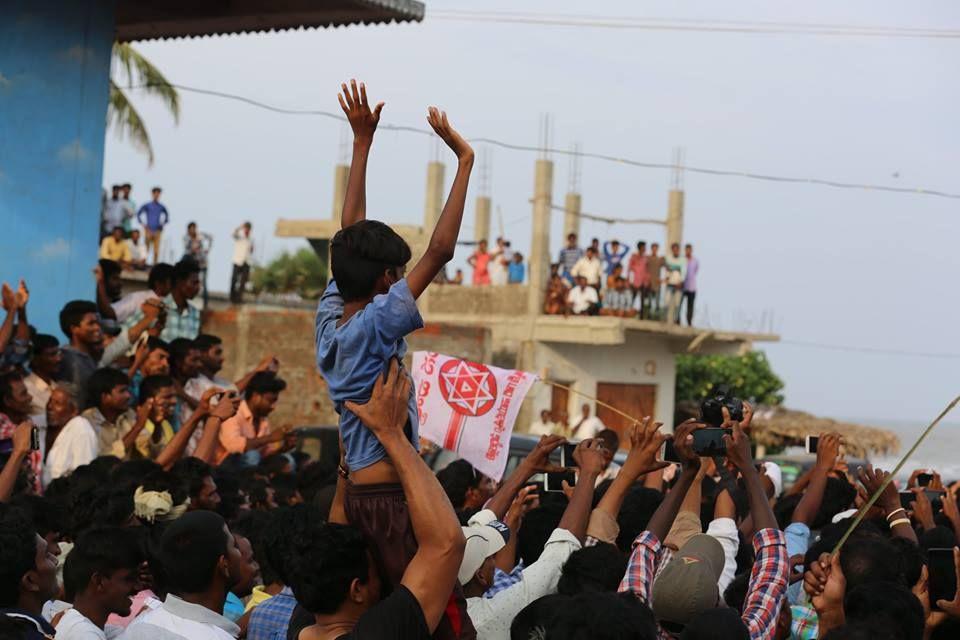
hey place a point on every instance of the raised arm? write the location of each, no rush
(444, 239)
(537, 461)
(11, 469)
(226, 408)
(432, 572)
(589, 458)
(666, 513)
(364, 122)
(645, 443)
(738, 452)
(872, 479)
(827, 452)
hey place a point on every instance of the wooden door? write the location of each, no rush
(559, 404)
(636, 400)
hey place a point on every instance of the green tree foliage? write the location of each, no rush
(748, 376)
(302, 273)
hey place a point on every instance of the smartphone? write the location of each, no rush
(923, 479)
(709, 441)
(906, 497)
(566, 454)
(553, 482)
(35, 438)
(812, 442)
(943, 576)
(669, 452)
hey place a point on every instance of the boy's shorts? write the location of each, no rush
(380, 512)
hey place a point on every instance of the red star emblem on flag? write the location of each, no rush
(468, 387)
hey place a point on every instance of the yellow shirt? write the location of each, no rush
(258, 597)
(110, 249)
(147, 446)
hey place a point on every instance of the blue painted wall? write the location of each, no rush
(54, 83)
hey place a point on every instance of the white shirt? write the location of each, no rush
(589, 428)
(611, 472)
(130, 303)
(242, 247)
(181, 620)
(589, 268)
(581, 299)
(725, 532)
(195, 388)
(40, 391)
(492, 616)
(76, 626)
(137, 252)
(541, 428)
(77, 444)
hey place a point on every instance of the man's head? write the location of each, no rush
(80, 323)
(869, 558)
(641, 247)
(688, 584)
(200, 555)
(620, 283)
(117, 234)
(192, 229)
(571, 240)
(61, 407)
(155, 193)
(367, 258)
(28, 568)
(248, 227)
(186, 278)
(15, 399)
(102, 567)
(654, 248)
(482, 246)
(611, 444)
(162, 391)
(617, 270)
(108, 389)
(114, 191)
(518, 258)
(160, 279)
(719, 622)
(250, 574)
(595, 245)
(585, 410)
(135, 236)
(592, 569)
(620, 616)
(263, 392)
(885, 605)
(467, 488)
(111, 271)
(185, 358)
(125, 189)
(615, 244)
(201, 487)
(157, 361)
(46, 355)
(592, 252)
(581, 282)
(211, 353)
(545, 416)
(675, 250)
(483, 543)
(688, 250)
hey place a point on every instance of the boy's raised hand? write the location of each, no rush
(438, 120)
(355, 105)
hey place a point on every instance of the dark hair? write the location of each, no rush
(184, 269)
(284, 487)
(599, 568)
(638, 507)
(192, 471)
(610, 438)
(360, 253)
(168, 481)
(43, 341)
(205, 341)
(532, 620)
(264, 382)
(72, 314)
(837, 496)
(784, 507)
(18, 552)
(886, 605)
(17, 628)
(603, 616)
(736, 592)
(457, 478)
(180, 348)
(911, 557)
(160, 272)
(6, 385)
(258, 491)
(253, 525)
(103, 551)
(869, 558)
(129, 473)
(535, 530)
(719, 622)
(155, 189)
(154, 343)
(190, 548)
(151, 385)
(110, 268)
(641, 245)
(46, 513)
(860, 631)
(273, 465)
(228, 486)
(107, 505)
(320, 561)
(938, 537)
(103, 381)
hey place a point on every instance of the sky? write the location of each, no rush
(817, 264)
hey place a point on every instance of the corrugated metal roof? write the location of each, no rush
(163, 19)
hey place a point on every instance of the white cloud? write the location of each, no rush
(52, 250)
(73, 152)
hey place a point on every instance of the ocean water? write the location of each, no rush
(940, 451)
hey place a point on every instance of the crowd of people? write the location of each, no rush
(602, 281)
(498, 266)
(142, 496)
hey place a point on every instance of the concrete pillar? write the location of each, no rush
(54, 74)
(481, 219)
(434, 200)
(539, 264)
(674, 219)
(571, 215)
(340, 175)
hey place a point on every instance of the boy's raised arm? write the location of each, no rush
(364, 122)
(444, 239)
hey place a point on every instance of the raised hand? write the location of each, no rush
(589, 457)
(203, 407)
(22, 437)
(22, 296)
(438, 120)
(922, 509)
(227, 407)
(828, 450)
(683, 443)
(385, 413)
(9, 298)
(645, 444)
(872, 479)
(355, 105)
(952, 607)
(538, 460)
(737, 443)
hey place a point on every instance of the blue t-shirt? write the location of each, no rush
(515, 272)
(351, 356)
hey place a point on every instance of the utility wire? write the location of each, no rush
(872, 350)
(567, 152)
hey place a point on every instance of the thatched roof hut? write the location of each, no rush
(777, 427)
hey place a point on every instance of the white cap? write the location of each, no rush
(483, 541)
(773, 471)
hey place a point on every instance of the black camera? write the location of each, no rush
(711, 410)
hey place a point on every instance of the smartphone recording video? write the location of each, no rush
(812, 443)
(943, 576)
(709, 441)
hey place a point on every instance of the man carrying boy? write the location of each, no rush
(361, 322)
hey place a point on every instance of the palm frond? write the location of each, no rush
(139, 70)
(126, 121)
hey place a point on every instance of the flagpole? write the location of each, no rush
(589, 397)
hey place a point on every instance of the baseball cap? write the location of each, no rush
(483, 540)
(773, 471)
(688, 584)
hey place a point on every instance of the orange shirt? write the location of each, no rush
(235, 432)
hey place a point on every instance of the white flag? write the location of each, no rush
(469, 408)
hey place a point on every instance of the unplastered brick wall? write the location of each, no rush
(250, 332)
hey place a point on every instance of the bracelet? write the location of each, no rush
(899, 522)
(894, 512)
(343, 471)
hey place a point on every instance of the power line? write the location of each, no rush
(871, 350)
(690, 25)
(567, 152)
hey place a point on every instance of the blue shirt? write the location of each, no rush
(155, 211)
(351, 356)
(569, 257)
(613, 258)
(515, 271)
(269, 620)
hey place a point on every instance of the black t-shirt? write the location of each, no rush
(398, 617)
